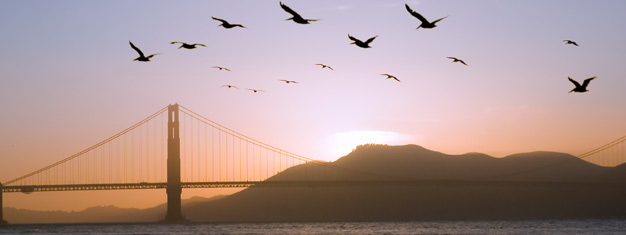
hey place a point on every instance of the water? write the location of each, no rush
(448, 227)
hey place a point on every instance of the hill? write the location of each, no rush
(99, 214)
(533, 185)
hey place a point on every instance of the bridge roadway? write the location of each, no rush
(326, 183)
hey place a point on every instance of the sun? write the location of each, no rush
(343, 143)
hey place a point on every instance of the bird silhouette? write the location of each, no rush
(425, 24)
(221, 68)
(141, 57)
(255, 91)
(360, 43)
(578, 87)
(325, 66)
(391, 76)
(187, 45)
(227, 25)
(454, 59)
(570, 42)
(287, 81)
(295, 16)
(230, 86)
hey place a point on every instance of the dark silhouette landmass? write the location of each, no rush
(536, 185)
(429, 185)
(98, 214)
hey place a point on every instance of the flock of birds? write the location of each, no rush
(297, 18)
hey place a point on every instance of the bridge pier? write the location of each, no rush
(2, 221)
(174, 189)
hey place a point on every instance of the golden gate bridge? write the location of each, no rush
(177, 148)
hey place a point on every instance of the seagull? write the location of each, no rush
(255, 91)
(325, 66)
(578, 87)
(227, 25)
(425, 24)
(230, 86)
(188, 46)
(457, 60)
(220, 68)
(295, 16)
(359, 43)
(391, 76)
(570, 42)
(287, 81)
(141, 57)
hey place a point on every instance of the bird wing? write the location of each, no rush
(574, 81)
(586, 82)
(463, 62)
(354, 39)
(453, 58)
(136, 49)
(199, 44)
(415, 14)
(371, 39)
(282, 80)
(289, 10)
(437, 20)
(218, 19)
(176, 42)
(396, 79)
(386, 75)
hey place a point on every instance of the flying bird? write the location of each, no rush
(295, 16)
(227, 25)
(287, 81)
(325, 66)
(141, 57)
(360, 43)
(454, 59)
(230, 86)
(187, 45)
(391, 76)
(578, 87)
(425, 24)
(570, 42)
(221, 68)
(255, 91)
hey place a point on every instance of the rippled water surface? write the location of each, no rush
(448, 227)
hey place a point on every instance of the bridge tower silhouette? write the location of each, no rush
(174, 188)
(2, 221)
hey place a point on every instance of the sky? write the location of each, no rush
(68, 79)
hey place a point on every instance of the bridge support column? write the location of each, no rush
(2, 221)
(174, 189)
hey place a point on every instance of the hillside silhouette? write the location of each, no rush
(98, 214)
(534, 185)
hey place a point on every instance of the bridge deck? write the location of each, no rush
(337, 183)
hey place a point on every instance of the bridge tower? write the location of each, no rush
(2, 221)
(174, 189)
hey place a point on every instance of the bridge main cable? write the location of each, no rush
(225, 129)
(90, 148)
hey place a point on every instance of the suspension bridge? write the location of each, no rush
(177, 148)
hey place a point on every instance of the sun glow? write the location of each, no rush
(343, 143)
